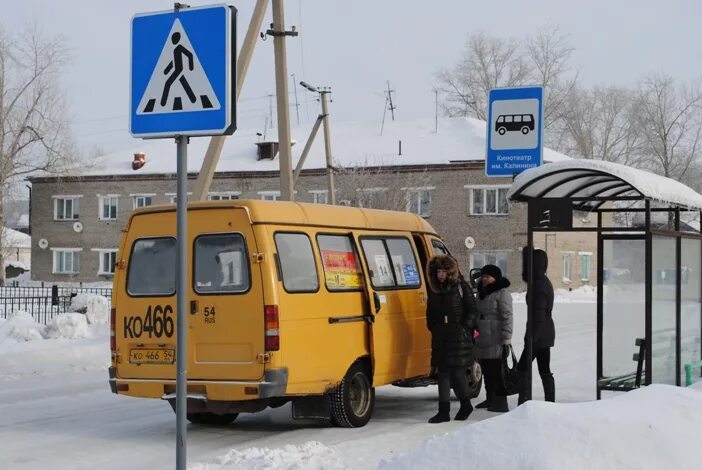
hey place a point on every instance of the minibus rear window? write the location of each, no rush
(152, 267)
(221, 265)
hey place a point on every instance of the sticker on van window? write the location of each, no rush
(410, 274)
(341, 269)
(398, 262)
(382, 270)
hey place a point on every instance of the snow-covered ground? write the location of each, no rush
(56, 411)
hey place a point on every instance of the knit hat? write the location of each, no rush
(491, 270)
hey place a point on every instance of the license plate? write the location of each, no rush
(151, 356)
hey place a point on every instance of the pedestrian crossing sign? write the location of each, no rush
(183, 72)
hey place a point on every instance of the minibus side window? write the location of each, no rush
(152, 267)
(342, 270)
(378, 263)
(403, 262)
(297, 262)
(221, 264)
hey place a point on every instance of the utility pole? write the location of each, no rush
(324, 119)
(281, 86)
(385, 110)
(392, 107)
(297, 104)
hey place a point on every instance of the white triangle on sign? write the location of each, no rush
(178, 82)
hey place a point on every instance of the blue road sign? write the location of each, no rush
(514, 130)
(183, 72)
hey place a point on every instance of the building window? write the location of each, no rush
(229, 196)
(174, 199)
(478, 259)
(142, 200)
(419, 201)
(320, 197)
(567, 266)
(585, 266)
(108, 207)
(270, 195)
(66, 208)
(66, 261)
(108, 258)
(345, 202)
(489, 200)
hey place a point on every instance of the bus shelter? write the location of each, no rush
(649, 265)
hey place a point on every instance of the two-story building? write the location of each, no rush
(437, 172)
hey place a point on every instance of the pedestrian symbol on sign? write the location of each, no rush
(192, 92)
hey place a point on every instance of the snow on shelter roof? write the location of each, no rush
(354, 144)
(596, 178)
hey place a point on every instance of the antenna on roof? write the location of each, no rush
(388, 105)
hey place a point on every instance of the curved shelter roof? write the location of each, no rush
(599, 179)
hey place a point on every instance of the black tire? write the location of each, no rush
(501, 130)
(353, 401)
(211, 418)
(525, 130)
(475, 379)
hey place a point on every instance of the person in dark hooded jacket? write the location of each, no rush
(450, 318)
(543, 333)
(494, 323)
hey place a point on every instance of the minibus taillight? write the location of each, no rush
(272, 332)
(113, 340)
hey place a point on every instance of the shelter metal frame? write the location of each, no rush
(601, 187)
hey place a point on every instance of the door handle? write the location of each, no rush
(376, 302)
(193, 307)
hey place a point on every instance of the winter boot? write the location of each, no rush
(549, 387)
(486, 402)
(443, 415)
(498, 404)
(464, 411)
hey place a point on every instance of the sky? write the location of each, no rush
(356, 47)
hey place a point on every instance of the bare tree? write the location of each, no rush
(488, 62)
(601, 124)
(491, 62)
(669, 118)
(381, 187)
(34, 134)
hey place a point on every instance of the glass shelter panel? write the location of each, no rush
(624, 304)
(691, 309)
(663, 308)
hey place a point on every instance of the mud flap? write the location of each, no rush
(317, 407)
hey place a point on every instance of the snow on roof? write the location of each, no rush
(14, 239)
(574, 178)
(353, 144)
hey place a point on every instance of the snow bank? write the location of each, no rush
(583, 294)
(69, 326)
(309, 456)
(650, 428)
(95, 307)
(20, 326)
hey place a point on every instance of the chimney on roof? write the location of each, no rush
(139, 160)
(267, 150)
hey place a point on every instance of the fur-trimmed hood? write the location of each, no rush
(446, 263)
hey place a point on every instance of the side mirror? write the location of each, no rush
(474, 276)
(376, 302)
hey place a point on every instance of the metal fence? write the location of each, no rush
(44, 303)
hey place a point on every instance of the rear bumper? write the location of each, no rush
(274, 384)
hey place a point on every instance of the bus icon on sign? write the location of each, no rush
(514, 122)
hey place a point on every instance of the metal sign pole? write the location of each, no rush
(528, 349)
(181, 298)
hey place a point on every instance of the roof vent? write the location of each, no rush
(139, 160)
(267, 150)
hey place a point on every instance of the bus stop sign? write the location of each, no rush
(514, 130)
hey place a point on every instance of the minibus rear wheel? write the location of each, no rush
(211, 418)
(353, 401)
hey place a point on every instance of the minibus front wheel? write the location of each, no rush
(353, 401)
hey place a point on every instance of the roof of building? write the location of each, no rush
(596, 178)
(354, 144)
(14, 239)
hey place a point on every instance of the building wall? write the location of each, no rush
(450, 213)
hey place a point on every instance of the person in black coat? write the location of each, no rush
(543, 334)
(450, 318)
